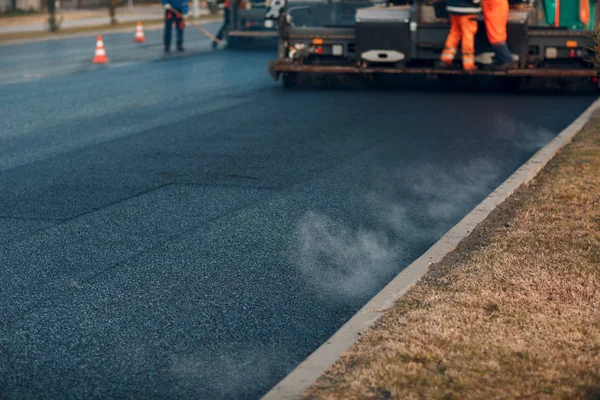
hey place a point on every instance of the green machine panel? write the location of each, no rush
(569, 15)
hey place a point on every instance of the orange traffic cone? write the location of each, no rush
(139, 33)
(100, 56)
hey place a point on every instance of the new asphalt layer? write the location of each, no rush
(182, 227)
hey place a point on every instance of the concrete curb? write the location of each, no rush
(315, 365)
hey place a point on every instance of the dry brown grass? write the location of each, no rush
(67, 15)
(100, 29)
(517, 318)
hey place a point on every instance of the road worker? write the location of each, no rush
(463, 27)
(495, 15)
(175, 10)
(226, 19)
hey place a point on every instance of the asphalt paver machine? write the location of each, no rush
(550, 39)
(250, 22)
(259, 19)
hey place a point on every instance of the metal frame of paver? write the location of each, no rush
(315, 365)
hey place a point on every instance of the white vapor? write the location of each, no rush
(345, 263)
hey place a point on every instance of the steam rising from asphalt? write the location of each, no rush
(523, 136)
(230, 374)
(347, 263)
(444, 194)
(342, 261)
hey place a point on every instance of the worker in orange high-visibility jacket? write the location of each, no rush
(495, 15)
(463, 27)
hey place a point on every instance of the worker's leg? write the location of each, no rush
(452, 41)
(179, 25)
(495, 14)
(226, 17)
(502, 53)
(224, 27)
(468, 26)
(168, 27)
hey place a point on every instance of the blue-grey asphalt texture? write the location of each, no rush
(184, 228)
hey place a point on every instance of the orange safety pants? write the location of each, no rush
(462, 29)
(495, 15)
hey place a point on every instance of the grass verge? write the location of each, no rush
(513, 312)
(74, 31)
(107, 28)
(18, 13)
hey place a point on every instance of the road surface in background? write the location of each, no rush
(41, 59)
(182, 227)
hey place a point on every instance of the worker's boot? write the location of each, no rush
(469, 68)
(502, 58)
(444, 64)
(468, 62)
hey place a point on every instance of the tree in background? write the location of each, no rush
(53, 23)
(112, 8)
(213, 6)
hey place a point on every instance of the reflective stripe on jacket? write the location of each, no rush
(464, 6)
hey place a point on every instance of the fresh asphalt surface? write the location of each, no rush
(182, 227)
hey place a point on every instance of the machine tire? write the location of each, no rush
(289, 80)
(514, 84)
(233, 43)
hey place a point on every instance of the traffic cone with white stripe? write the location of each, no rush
(100, 56)
(139, 33)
